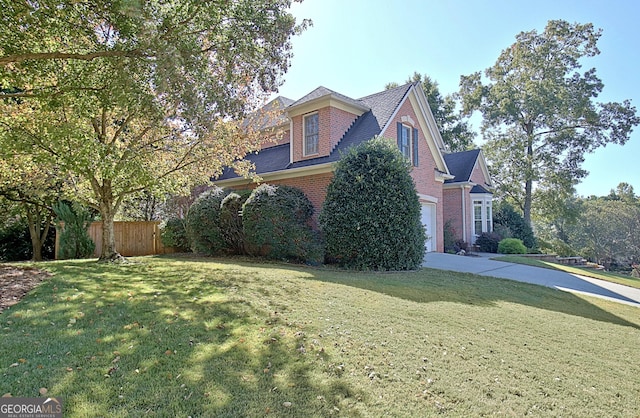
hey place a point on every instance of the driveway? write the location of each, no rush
(567, 282)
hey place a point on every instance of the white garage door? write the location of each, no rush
(429, 222)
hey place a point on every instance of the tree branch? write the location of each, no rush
(90, 56)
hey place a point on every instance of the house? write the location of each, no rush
(324, 123)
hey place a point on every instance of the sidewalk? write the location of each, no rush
(574, 283)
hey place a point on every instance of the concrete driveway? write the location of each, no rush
(574, 283)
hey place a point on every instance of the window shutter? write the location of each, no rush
(415, 147)
(399, 135)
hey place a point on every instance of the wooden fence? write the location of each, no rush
(132, 238)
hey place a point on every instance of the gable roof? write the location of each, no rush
(381, 107)
(461, 165)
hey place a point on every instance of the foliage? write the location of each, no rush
(15, 243)
(511, 246)
(510, 224)
(73, 221)
(539, 112)
(487, 242)
(32, 187)
(203, 223)
(371, 215)
(449, 236)
(454, 129)
(173, 233)
(147, 96)
(608, 232)
(231, 220)
(276, 224)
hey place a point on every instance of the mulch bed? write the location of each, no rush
(15, 282)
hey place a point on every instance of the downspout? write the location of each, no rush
(290, 141)
(464, 215)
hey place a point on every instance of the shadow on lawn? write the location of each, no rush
(429, 285)
(160, 346)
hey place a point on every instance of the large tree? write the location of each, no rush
(455, 130)
(132, 96)
(539, 111)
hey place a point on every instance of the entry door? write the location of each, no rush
(429, 221)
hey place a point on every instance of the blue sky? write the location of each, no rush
(355, 47)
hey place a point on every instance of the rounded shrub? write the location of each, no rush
(173, 233)
(488, 242)
(510, 224)
(511, 246)
(275, 221)
(231, 220)
(370, 219)
(203, 223)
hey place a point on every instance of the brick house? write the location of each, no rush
(318, 127)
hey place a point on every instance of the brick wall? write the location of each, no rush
(452, 204)
(424, 174)
(332, 125)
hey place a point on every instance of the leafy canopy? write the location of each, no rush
(539, 111)
(131, 96)
(456, 132)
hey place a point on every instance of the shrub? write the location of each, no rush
(449, 237)
(74, 220)
(15, 242)
(203, 223)
(512, 225)
(173, 233)
(511, 246)
(488, 242)
(371, 216)
(275, 221)
(231, 220)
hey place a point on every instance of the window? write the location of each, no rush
(404, 141)
(408, 142)
(482, 215)
(311, 134)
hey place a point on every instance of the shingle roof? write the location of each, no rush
(479, 189)
(382, 105)
(461, 165)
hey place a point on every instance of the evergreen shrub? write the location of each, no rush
(276, 224)
(74, 221)
(371, 219)
(173, 233)
(203, 223)
(511, 246)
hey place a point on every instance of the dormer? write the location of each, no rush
(319, 120)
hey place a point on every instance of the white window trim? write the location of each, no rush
(410, 129)
(304, 135)
(486, 216)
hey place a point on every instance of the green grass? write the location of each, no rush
(583, 271)
(177, 337)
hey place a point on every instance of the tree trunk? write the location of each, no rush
(37, 235)
(529, 175)
(108, 209)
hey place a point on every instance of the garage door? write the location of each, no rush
(429, 222)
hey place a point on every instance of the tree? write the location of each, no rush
(608, 232)
(539, 112)
(455, 131)
(131, 96)
(34, 188)
(370, 218)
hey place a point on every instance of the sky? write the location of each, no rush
(355, 47)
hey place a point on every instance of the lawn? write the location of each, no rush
(583, 271)
(177, 337)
